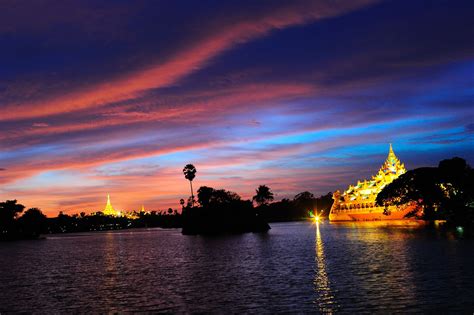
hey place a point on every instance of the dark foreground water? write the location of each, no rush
(296, 268)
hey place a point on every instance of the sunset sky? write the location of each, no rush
(116, 97)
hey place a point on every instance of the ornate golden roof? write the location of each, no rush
(367, 190)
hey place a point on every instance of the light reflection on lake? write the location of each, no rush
(324, 297)
(296, 267)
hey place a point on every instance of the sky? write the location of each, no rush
(115, 97)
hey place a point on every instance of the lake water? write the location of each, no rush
(296, 267)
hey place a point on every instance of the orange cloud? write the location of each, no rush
(167, 72)
(195, 106)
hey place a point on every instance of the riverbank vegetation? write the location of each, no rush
(301, 207)
(216, 211)
(14, 224)
(445, 192)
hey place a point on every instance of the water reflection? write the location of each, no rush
(356, 268)
(325, 300)
(377, 259)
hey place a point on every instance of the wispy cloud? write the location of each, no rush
(180, 64)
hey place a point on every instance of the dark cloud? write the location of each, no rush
(469, 128)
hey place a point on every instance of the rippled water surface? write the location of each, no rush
(296, 267)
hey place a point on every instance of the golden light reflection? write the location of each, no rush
(325, 299)
(316, 219)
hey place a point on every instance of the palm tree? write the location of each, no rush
(189, 173)
(263, 195)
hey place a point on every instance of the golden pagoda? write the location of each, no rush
(109, 210)
(357, 203)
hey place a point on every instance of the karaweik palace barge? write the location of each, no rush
(357, 203)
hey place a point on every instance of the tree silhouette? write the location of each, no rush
(222, 211)
(189, 172)
(204, 195)
(208, 196)
(263, 195)
(33, 222)
(9, 211)
(444, 192)
(304, 203)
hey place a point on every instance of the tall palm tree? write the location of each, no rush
(189, 172)
(263, 195)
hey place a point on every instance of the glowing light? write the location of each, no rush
(109, 210)
(314, 216)
(316, 219)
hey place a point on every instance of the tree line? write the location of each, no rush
(14, 224)
(215, 210)
(445, 192)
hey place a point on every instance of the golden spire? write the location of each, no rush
(391, 155)
(109, 210)
(393, 164)
(143, 208)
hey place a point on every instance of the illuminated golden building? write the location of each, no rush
(109, 210)
(357, 203)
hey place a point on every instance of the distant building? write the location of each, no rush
(109, 210)
(357, 203)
